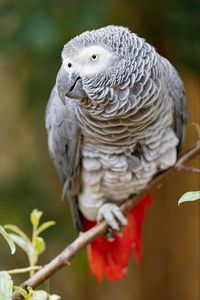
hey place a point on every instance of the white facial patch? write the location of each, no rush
(89, 61)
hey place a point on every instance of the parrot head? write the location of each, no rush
(95, 62)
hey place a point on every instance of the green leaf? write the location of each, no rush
(17, 230)
(8, 239)
(40, 295)
(22, 243)
(35, 217)
(39, 245)
(44, 226)
(189, 196)
(6, 285)
(54, 297)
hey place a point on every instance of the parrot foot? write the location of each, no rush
(112, 214)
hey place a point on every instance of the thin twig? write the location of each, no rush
(24, 270)
(62, 259)
(189, 169)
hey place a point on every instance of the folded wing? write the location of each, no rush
(64, 142)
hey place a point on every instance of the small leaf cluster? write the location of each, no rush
(33, 247)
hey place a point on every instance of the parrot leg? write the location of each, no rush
(112, 214)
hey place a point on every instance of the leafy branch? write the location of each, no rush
(62, 259)
(33, 248)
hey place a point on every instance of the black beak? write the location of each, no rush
(69, 85)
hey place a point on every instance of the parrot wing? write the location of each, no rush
(64, 142)
(177, 93)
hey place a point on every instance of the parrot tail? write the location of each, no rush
(110, 259)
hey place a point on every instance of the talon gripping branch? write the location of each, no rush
(115, 118)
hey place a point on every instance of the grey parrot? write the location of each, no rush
(115, 118)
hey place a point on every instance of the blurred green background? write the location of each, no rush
(32, 35)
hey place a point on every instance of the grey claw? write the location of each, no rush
(111, 213)
(110, 235)
(120, 217)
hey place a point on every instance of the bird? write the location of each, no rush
(115, 118)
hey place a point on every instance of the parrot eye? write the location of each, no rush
(94, 57)
(69, 65)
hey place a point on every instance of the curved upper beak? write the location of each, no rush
(69, 85)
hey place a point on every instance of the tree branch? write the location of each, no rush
(62, 259)
(189, 169)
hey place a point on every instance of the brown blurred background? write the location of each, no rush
(32, 35)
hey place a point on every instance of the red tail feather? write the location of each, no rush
(111, 258)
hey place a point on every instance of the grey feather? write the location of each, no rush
(64, 146)
(177, 92)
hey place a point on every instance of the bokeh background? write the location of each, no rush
(32, 34)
